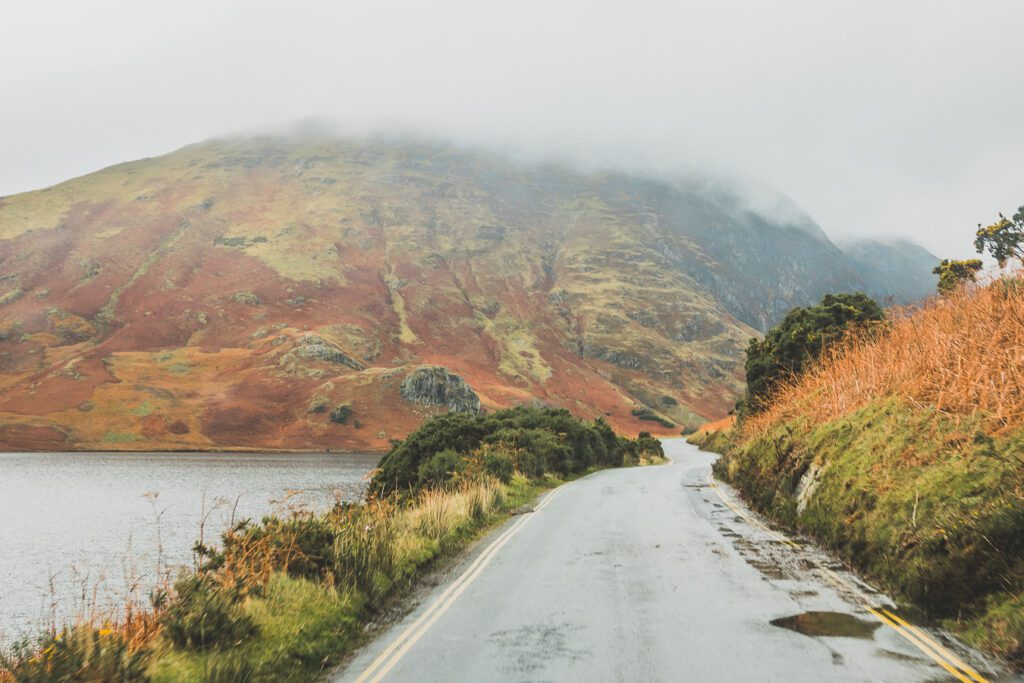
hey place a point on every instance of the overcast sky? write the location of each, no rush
(878, 118)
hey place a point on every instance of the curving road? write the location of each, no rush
(655, 574)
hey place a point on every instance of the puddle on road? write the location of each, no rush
(828, 624)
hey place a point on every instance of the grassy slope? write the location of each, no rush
(928, 501)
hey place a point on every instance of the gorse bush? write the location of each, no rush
(499, 465)
(536, 441)
(645, 413)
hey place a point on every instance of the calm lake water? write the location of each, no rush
(80, 528)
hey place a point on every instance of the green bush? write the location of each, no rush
(203, 614)
(439, 468)
(644, 445)
(341, 414)
(556, 442)
(499, 466)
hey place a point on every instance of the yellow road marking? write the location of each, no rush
(936, 655)
(939, 654)
(405, 640)
(949, 656)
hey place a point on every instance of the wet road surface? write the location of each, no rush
(655, 574)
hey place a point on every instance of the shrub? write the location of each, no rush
(439, 468)
(499, 465)
(341, 414)
(556, 442)
(205, 614)
(644, 446)
(953, 273)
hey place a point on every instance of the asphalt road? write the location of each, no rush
(655, 574)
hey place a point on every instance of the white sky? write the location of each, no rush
(878, 118)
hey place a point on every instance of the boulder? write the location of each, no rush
(432, 385)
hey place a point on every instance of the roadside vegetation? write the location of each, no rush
(901, 447)
(283, 598)
(800, 338)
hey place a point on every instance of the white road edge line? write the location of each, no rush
(407, 638)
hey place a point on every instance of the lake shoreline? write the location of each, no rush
(77, 519)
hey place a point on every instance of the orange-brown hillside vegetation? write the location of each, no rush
(961, 356)
(239, 293)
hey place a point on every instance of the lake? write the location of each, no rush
(81, 528)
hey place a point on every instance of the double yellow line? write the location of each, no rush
(923, 642)
(914, 635)
(401, 645)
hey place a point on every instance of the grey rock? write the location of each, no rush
(311, 347)
(432, 385)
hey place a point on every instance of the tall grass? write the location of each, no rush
(961, 356)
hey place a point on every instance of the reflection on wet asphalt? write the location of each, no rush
(649, 574)
(836, 624)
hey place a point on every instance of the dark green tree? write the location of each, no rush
(953, 273)
(1004, 239)
(800, 337)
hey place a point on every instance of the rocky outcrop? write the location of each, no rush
(317, 348)
(431, 385)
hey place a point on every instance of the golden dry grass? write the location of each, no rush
(439, 513)
(961, 356)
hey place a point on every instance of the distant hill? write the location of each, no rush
(328, 293)
(898, 271)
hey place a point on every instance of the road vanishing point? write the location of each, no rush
(656, 574)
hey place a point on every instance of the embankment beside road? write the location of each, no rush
(903, 451)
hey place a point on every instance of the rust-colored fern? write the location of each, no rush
(961, 355)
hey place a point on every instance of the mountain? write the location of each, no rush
(894, 271)
(314, 292)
